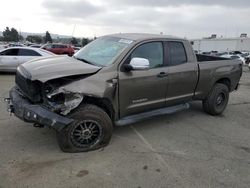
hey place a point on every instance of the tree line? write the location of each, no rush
(12, 35)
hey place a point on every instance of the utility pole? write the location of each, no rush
(73, 30)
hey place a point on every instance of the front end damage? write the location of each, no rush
(50, 103)
(62, 101)
(35, 113)
(50, 111)
(44, 104)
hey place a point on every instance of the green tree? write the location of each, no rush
(20, 37)
(34, 39)
(7, 34)
(74, 41)
(10, 34)
(47, 37)
(85, 41)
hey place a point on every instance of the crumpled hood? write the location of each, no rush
(44, 69)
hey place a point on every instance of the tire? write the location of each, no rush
(217, 100)
(91, 130)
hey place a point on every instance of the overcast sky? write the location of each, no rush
(183, 18)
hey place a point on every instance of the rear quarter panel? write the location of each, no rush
(212, 71)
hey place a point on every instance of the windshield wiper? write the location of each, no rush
(84, 60)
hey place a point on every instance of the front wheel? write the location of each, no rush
(217, 100)
(92, 129)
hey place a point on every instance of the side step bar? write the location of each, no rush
(147, 115)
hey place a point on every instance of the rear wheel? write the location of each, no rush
(92, 129)
(217, 100)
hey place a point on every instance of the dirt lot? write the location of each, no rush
(187, 149)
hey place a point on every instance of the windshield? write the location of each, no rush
(103, 51)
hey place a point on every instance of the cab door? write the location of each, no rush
(143, 90)
(182, 74)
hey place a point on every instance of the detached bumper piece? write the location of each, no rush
(32, 113)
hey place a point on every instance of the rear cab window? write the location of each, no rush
(177, 53)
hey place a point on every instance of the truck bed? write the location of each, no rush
(201, 58)
(212, 69)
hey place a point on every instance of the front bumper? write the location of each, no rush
(33, 113)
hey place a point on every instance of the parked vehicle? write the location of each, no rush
(59, 49)
(242, 59)
(247, 60)
(246, 56)
(11, 58)
(76, 49)
(117, 80)
(212, 53)
(15, 45)
(36, 46)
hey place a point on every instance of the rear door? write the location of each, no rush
(27, 55)
(144, 90)
(9, 59)
(182, 73)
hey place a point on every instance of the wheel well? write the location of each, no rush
(104, 104)
(225, 81)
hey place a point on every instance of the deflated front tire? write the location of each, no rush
(92, 129)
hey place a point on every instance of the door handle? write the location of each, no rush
(162, 75)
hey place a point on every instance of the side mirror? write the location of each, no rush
(137, 64)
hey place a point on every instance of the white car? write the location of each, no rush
(242, 59)
(11, 58)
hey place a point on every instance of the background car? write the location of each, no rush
(76, 49)
(11, 58)
(14, 44)
(36, 46)
(246, 56)
(59, 49)
(234, 57)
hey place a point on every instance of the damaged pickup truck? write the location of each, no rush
(117, 80)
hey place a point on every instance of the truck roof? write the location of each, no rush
(142, 36)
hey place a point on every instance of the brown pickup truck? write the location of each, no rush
(117, 80)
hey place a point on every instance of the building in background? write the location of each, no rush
(213, 43)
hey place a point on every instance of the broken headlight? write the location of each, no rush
(63, 102)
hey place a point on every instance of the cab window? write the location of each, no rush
(153, 51)
(177, 53)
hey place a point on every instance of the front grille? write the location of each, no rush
(30, 89)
